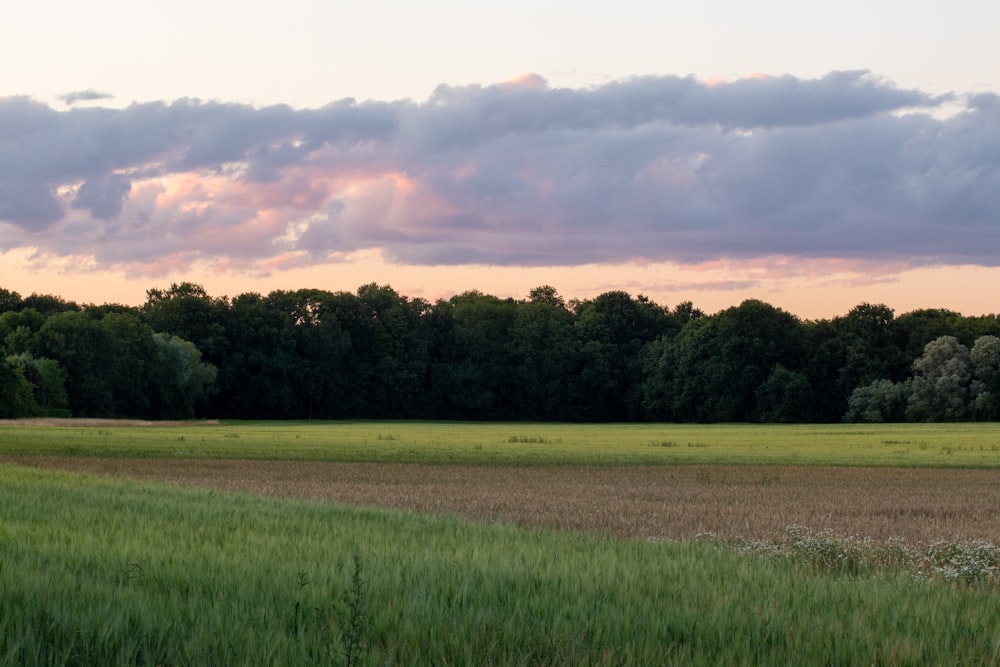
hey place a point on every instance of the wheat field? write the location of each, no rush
(917, 505)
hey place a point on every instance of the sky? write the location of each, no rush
(812, 157)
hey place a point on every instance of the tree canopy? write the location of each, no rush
(375, 353)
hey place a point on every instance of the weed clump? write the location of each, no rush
(348, 615)
(972, 562)
(532, 439)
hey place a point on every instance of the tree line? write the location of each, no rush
(374, 353)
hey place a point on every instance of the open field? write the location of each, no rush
(678, 502)
(968, 445)
(102, 571)
(105, 557)
(648, 480)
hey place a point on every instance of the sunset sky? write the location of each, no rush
(713, 152)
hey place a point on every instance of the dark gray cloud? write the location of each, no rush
(103, 197)
(656, 168)
(89, 95)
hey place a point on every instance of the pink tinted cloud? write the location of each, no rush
(796, 178)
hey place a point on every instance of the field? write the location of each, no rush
(498, 544)
(521, 444)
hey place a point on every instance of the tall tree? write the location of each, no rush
(547, 295)
(16, 396)
(612, 330)
(48, 381)
(784, 397)
(9, 301)
(178, 377)
(129, 363)
(470, 364)
(719, 363)
(87, 351)
(186, 310)
(941, 379)
(48, 304)
(985, 359)
(395, 357)
(543, 352)
(916, 329)
(18, 329)
(257, 375)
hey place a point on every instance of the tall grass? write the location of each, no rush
(96, 571)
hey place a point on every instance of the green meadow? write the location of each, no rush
(104, 572)
(916, 445)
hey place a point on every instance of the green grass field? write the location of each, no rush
(916, 445)
(96, 571)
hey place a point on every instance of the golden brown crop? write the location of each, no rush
(915, 505)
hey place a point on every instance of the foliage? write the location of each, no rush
(784, 397)
(179, 377)
(375, 353)
(881, 401)
(9, 300)
(726, 368)
(941, 380)
(16, 395)
(985, 359)
(48, 380)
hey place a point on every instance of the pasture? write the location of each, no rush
(498, 544)
(965, 445)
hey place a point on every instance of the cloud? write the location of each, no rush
(103, 197)
(89, 95)
(516, 173)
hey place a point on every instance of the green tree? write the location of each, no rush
(543, 352)
(48, 304)
(985, 359)
(257, 375)
(87, 351)
(18, 328)
(881, 401)
(914, 330)
(941, 380)
(546, 295)
(784, 397)
(109, 362)
(324, 347)
(471, 369)
(128, 364)
(186, 310)
(395, 353)
(179, 377)
(48, 379)
(717, 364)
(288, 356)
(9, 301)
(871, 346)
(16, 395)
(613, 330)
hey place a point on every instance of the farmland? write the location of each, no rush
(488, 543)
(969, 445)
